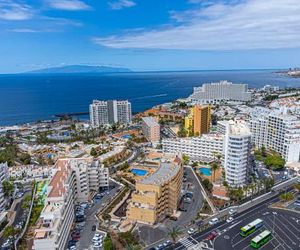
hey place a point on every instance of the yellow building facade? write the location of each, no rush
(157, 195)
(198, 120)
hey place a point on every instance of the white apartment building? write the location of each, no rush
(98, 176)
(57, 216)
(3, 176)
(278, 131)
(110, 112)
(237, 148)
(151, 129)
(72, 182)
(213, 93)
(203, 148)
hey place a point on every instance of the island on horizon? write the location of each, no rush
(79, 69)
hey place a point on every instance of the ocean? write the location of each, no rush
(28, 98)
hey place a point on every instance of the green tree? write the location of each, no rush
(195, 164)
(108, 244)
(275, 161)
(185, 159)
(174, 233)
(263, 151)
(8, 188)
(297, 187)
(215, 166)
(9, 231)
(129, 238)
(286, 197)
(25, 158)
(207, 185)
(93, 152)
(268, 184)
(182, 132)
(236, 194)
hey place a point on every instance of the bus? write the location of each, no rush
(261, 239)
(251, 227)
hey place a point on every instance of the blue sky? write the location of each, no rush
(149, 34)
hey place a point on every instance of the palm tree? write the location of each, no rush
(215, 166)
(174, 233)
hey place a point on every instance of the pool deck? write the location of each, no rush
(218, 173)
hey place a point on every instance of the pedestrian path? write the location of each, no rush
(186, 242)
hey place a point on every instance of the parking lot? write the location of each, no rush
(89, 225)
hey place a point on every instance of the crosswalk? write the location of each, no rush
(192, 244)
(186, 242)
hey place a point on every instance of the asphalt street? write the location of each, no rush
(284, 224)
(87, 234)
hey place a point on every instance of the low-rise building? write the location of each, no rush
(30, 172)
(151, 129)
(203, 148)
(157, 195)
(163, 113)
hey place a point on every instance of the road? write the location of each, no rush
(229, 239)
(91, 219)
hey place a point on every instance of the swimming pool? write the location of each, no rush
(139, 172)
(205, 171)
(126, 136)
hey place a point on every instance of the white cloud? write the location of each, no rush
(120, 4)
(71, 5)
(249, 24)
(24, 30)
(15, 10)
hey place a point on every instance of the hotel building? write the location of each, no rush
(237, 148)
(203, 148)
(151, 129)
(157, 195)
(278, 131)
(110, 112)
(198, 120)
(72, 182)
(213, 93)
(3, 176)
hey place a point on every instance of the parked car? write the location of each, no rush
(213, 221)
(94, 228)
(232, 211)
(230, 219)
(98, 245)
(167, 243)
(174, 218)
(159, 247)
(212, 235)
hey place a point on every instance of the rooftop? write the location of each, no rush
(238, 128)
(150, 121)
(165, 172)
(58, 181)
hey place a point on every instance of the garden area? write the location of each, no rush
(270, 158)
